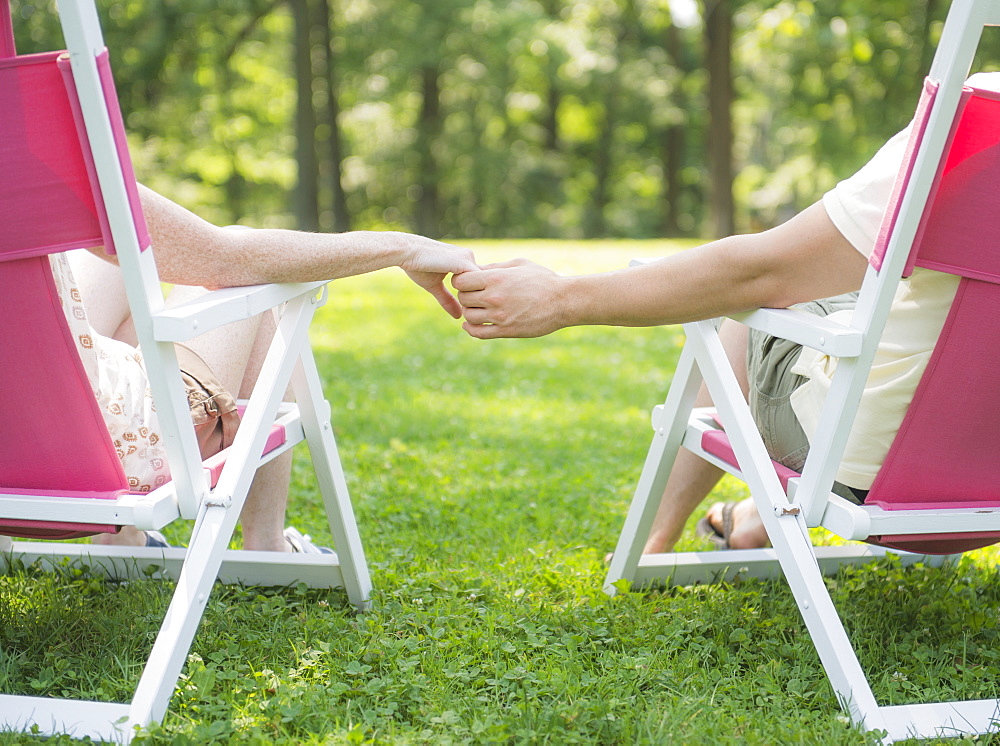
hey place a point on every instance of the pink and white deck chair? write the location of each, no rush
(67, 182)
(938, 492)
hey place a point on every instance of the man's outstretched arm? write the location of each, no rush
(192, 251)
(803, 259)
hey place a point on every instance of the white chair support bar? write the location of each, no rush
(238, 566)
(693, 568)
(806, 329)
(226, 306)
(56, 716)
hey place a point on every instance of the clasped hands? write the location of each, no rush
(517, 298)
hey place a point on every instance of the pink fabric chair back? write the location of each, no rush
(54, 440)
(52, 201)
(947, 451)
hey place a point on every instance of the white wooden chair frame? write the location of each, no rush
(189, 496)
(809, 502)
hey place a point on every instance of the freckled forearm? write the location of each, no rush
(700, 283)
(191, 251)
(263, 256)
(804, 259)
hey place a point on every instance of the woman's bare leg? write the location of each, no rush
(235, 353)
(263, 517)
(102, 289)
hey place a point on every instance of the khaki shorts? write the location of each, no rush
(213, 408)
(769, 364)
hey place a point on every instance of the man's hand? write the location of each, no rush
(512, 299)
(428, 264)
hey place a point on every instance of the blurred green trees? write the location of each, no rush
(511, 118)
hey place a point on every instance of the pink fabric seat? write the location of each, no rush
(60, 442)
(717, 443)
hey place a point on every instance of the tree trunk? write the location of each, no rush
(333, 154)
(552, 114)
(673, 165)
(306, 195)
(554, 94)
(718, 38)
(926, 46)
(595, 225)
(428, 128)
(672, 151)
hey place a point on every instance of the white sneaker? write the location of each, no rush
(302, 543)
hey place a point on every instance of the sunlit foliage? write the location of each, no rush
(509, 118)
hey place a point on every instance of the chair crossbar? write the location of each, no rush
(128, 510)
(941, 719)
(79, 718)
(136, 563)
(693, 568)
(226, 306)
(938, 521)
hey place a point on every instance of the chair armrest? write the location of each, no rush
(226, 306)
(809, 330)
(806, 329)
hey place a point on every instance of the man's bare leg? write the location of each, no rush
(692, 478)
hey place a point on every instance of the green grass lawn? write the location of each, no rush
(489, 480)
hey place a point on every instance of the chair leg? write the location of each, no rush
(209, 540)
(791, 542)
(330, 477)
(653, 480)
